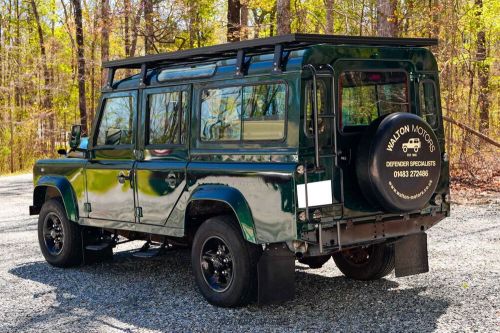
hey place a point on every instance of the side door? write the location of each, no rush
(161, 174)
(109, 172)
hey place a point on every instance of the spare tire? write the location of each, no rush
(398, 162)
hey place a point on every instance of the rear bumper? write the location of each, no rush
(348, 234)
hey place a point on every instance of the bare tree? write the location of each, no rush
(244, 19)
(233, 20)
(386, 18)
(47, 99)
(105, 27)
(284, 17)
(483, 73)
(77, 8)
(148, 27)
(329, 28)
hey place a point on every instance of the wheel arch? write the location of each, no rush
(49, 187)
(212, 200)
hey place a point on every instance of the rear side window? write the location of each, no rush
(428, 102)
(248, 113)
(365, 96)
(264, 112)
(115, 126)
(167, 118)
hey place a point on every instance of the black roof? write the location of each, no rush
(261, 46)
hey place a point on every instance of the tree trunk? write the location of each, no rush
(105, 27)
(233, 20)
(47, 98)
(126, 13)
(284, 17)
(483, 73)
(80, 64)
(244, 20)
(329, 28)
(386, 19)
(148, 27)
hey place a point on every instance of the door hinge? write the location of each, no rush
(138, 212)
(87, 207)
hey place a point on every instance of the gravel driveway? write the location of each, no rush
(461, 293)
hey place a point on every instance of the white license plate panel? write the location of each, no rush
(318, 194)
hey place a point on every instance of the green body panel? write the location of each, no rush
(68, 178)
(257, 180)
(234, 199)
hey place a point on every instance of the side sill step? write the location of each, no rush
(98, 247)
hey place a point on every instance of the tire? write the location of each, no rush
(216, 240)
(60, 239)
(379, 262)
(314, 262)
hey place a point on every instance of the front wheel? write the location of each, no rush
(367, 262)
(59, 239)
(224, 263)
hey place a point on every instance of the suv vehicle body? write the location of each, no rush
(215, 147)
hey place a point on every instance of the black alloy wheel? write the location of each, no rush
(217, 264)
(224, 264)
(59, 238)
(53, 233)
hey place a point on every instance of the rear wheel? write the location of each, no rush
(366, 263)
(59, 239)
(224, 263)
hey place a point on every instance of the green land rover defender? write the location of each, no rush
(256, 154)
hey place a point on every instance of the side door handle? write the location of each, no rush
(122, 177)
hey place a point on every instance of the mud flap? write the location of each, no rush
(411, 255)
(276, 274)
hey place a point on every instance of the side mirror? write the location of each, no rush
(76, 134)
(62, 151)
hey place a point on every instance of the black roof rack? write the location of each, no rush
(263, 45)
(280, 45)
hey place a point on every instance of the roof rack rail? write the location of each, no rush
(276, 44)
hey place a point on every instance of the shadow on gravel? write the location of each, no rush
(159, 294)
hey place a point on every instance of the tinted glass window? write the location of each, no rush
(115, 127)
(428, 102)
(264, 112)
(243, 113)
(369, 95)
(221, 114)
(321, 98)
(167, 114)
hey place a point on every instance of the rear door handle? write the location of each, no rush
(122, 177)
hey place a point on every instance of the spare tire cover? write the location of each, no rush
(398, 162)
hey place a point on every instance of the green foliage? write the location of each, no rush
(27, 129)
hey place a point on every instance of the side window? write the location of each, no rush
(264, 112)
(254, 112)
(321, 98)
(167, 118)
(428, 102)
(115, 126)
(221, 114)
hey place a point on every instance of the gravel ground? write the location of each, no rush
(461, 293)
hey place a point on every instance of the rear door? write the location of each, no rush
(367, 90)
(109, 172)
(161, 174)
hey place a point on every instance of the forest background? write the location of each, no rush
(51, 53)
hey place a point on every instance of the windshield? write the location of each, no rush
(365, 96)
